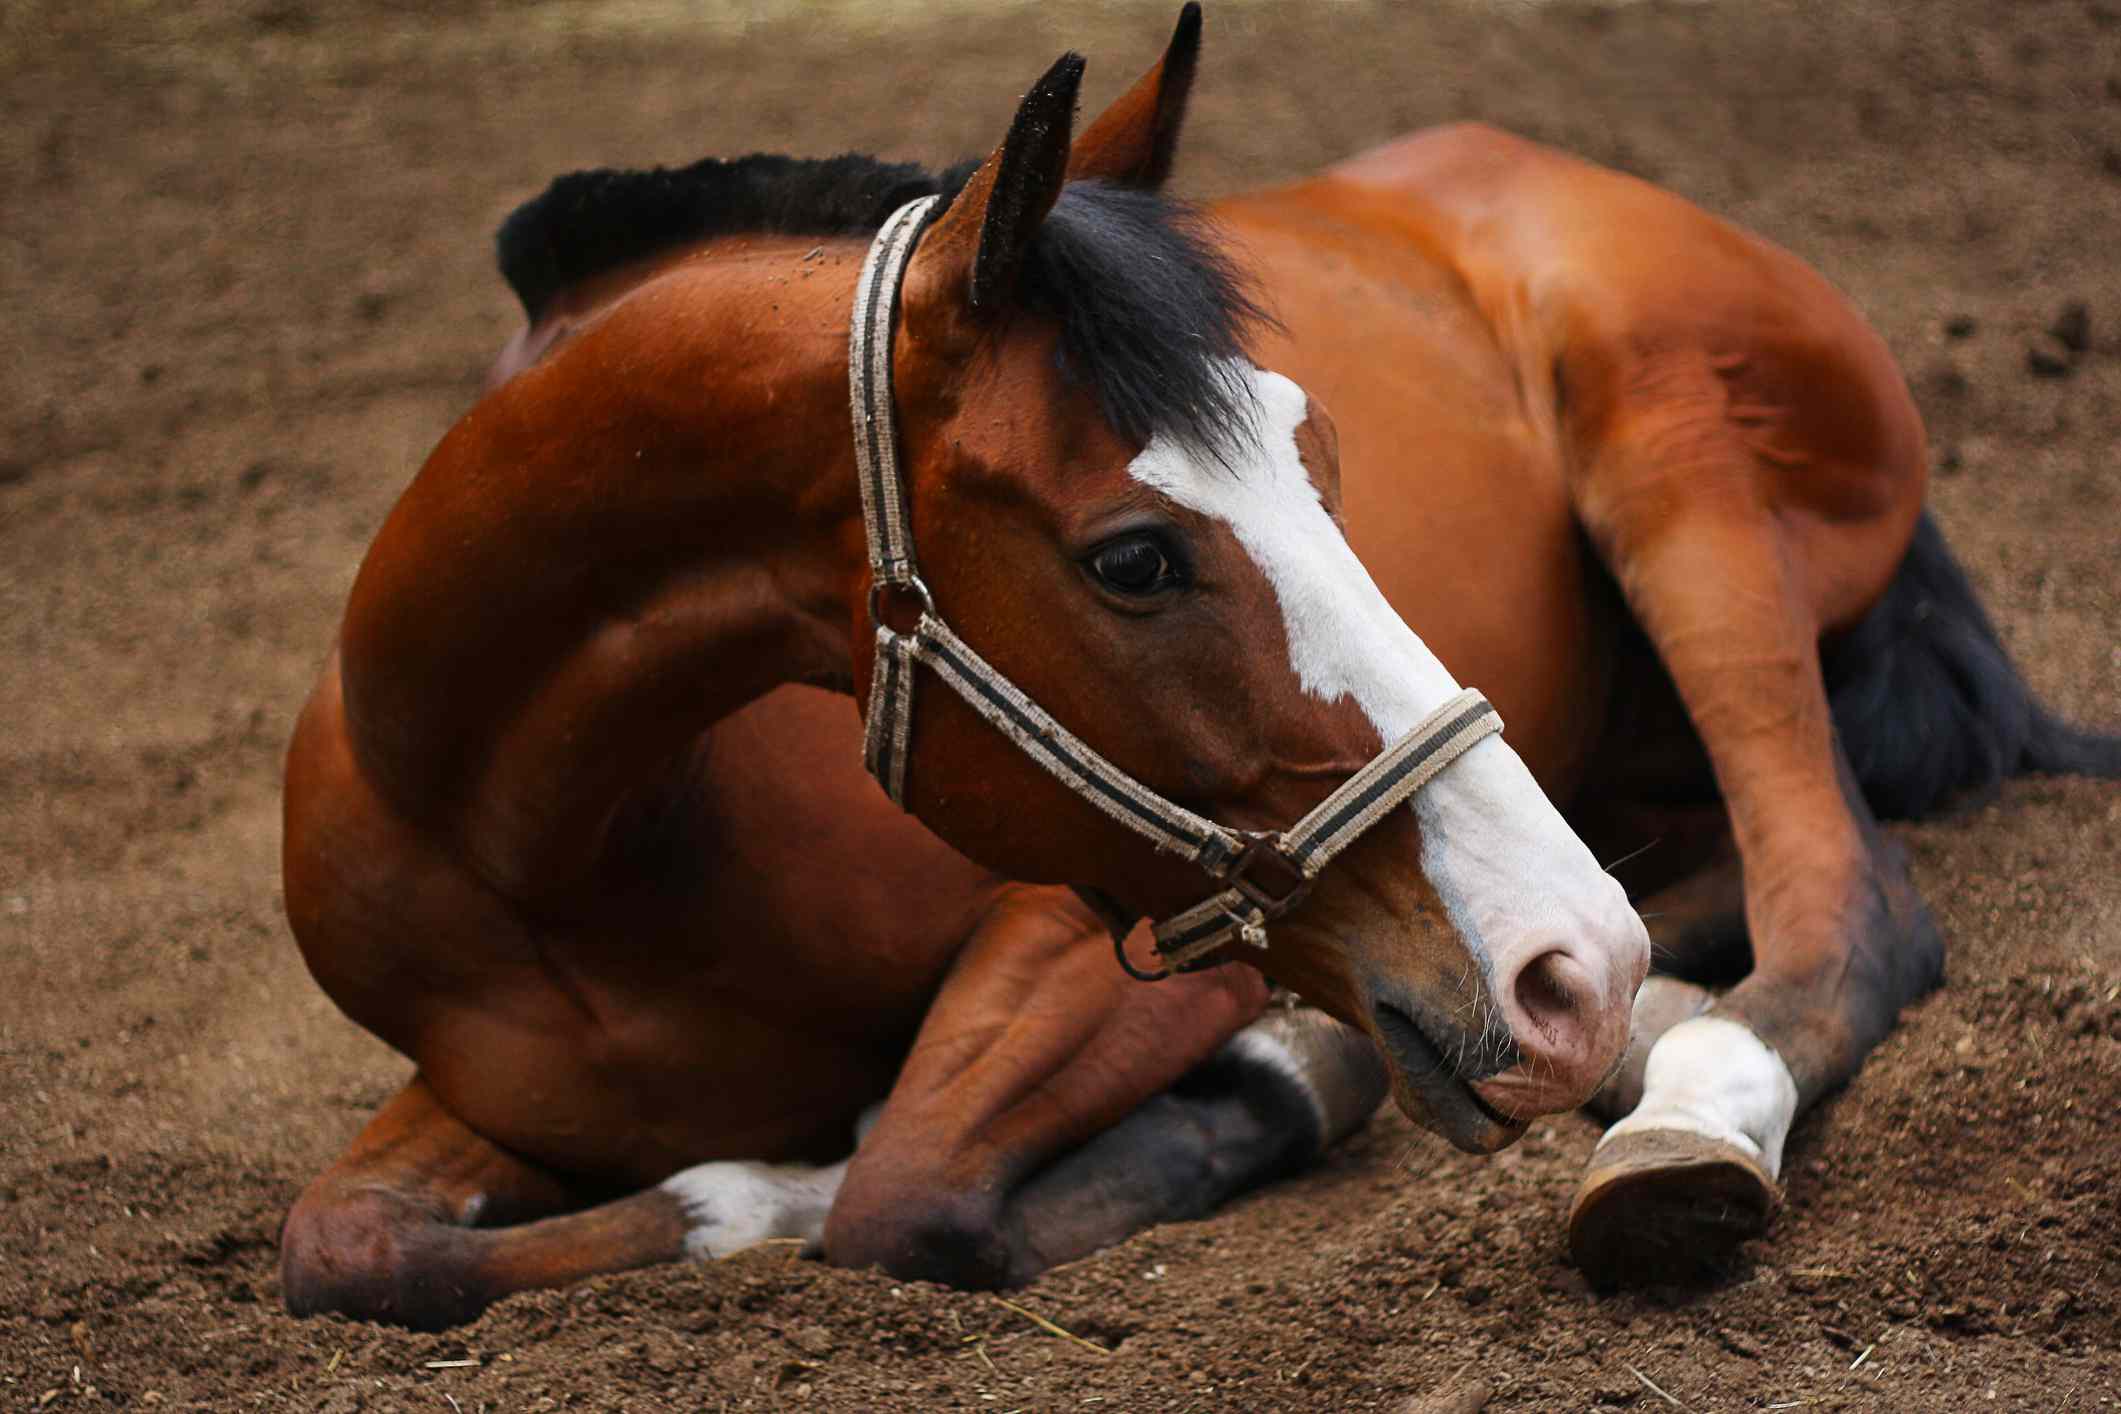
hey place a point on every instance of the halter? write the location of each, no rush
(1263, 874)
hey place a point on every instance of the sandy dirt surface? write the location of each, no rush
(245, 270)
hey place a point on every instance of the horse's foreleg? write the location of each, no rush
(1692, 1168)
(1272, 1099)
(1697, 937)
(1051, 1105)
(1839, 941)
(423, 1223)
(392, 1231)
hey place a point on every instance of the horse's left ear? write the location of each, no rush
(970, 258)
(1133, 142)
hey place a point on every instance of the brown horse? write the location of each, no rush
(576, 817)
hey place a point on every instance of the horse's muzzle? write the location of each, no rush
(1568, 1009)
(1436, 1067)
(1537, 1034)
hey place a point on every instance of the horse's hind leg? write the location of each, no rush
(423, 1223)
(1052, 1106)
(1840, 943)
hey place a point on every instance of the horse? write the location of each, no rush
(862, 595)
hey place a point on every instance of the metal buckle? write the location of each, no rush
(912, 584)
(1267, 847)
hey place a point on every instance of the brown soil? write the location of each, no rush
(247, 284)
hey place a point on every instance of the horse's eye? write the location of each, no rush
(1136, 565)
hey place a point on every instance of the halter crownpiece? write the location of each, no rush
(1263, 874)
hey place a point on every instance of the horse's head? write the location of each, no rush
(1140, 529)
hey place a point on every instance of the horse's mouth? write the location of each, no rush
(1434, 1094)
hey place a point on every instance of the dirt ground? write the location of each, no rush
(245, 269)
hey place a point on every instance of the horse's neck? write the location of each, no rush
(580, 305)
(604, 557)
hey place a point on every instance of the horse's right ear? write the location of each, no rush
(1133, 142)
(968, 262)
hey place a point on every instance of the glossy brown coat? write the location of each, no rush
(576, 818)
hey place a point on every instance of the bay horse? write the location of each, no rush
(577, 818)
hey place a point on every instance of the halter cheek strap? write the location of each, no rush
(1263, 874)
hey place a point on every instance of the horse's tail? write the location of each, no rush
(1929, 705)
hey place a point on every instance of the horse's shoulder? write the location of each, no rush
(379, 902)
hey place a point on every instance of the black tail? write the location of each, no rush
(1928, 704)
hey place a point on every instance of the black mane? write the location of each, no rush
(1151, 313)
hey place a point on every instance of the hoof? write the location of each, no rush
(1664, 1205)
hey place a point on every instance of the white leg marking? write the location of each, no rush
(1335, 1066)
(1514, 877)
(1259, 1047)
(1714, 1077)
(731, 1205)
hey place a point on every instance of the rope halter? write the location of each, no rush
(1263, 874)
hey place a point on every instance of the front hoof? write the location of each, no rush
(1663, 1205)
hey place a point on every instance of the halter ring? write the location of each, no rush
(912, 585)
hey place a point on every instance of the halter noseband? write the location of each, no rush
(1263, 874)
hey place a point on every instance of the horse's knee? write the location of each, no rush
(922, 1234)
(372, 1255)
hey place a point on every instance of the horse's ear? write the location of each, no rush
(970, 258)
(1133, 142)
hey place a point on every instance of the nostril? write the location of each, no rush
(1549, 992)
(1569, 1014)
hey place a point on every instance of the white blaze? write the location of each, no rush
(1512, 874)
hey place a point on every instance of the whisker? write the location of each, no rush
(1632, 854)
